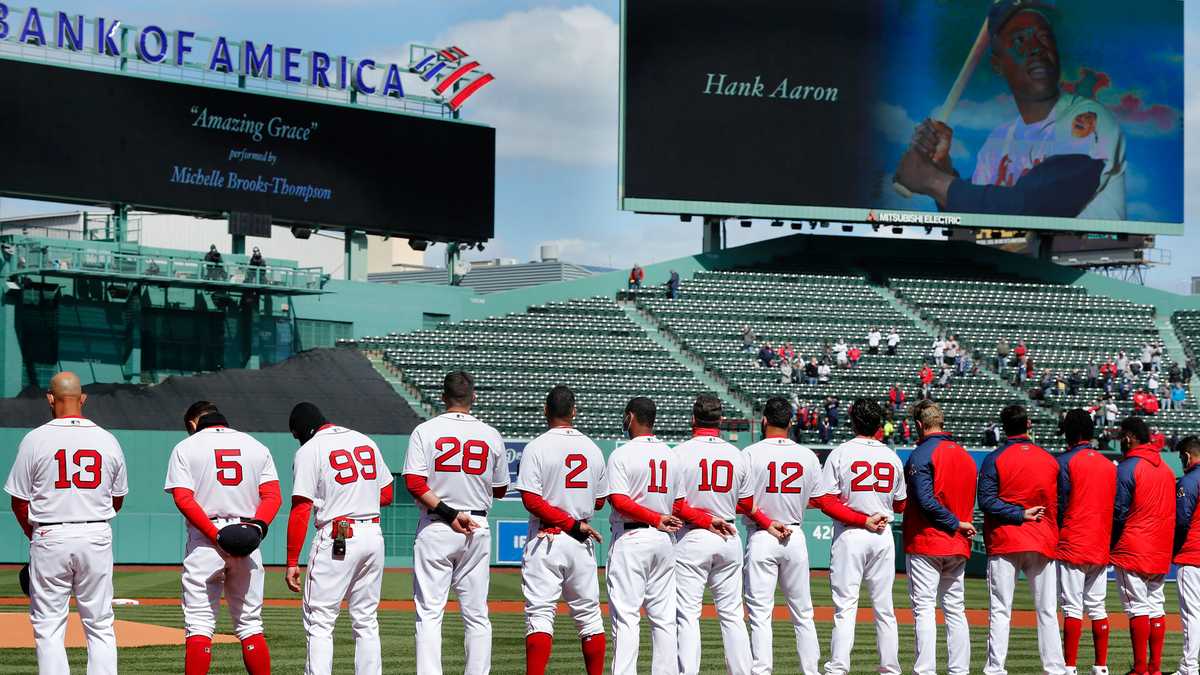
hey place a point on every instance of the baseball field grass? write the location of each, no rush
(286, 637)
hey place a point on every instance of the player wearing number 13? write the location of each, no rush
(455, 466)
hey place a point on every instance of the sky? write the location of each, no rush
(554, 105)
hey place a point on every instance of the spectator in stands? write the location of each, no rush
(259, 275)
(1124, 388)
(1002, 351)
(893, 342)
(748, 338)
(1108, 370)
(824, 431)
(635, 277)
(1178, 396)
(823, 373)
(787, 352)
(953, 352)
(1029, 371)
(937, 353)
(1093, 375)
(1187, 372)
(810, 371)
(1174, 374)
(1152, 383)
(896, 397)
(1164, 396)
(1156, 357)
(840, 353)
(889, 430)
(966, 365)
(874, 337)
(1123, 364)
(1147, 356)
(831, 409)
(213, 269)
(766, 356)
(785, 371)
(1060, 385)
(926, 376)
(943, 381)
(991, 435)
(673, 285)
(1074, 382)
(1021, 350)
(905, 431)
(853, 355)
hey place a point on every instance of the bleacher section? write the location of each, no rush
(1187, 327)
(1064, 328)
(589, 344)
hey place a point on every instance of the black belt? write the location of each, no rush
(482, 514)
(635, 526)
(73, 522)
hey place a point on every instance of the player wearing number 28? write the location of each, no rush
(455, 466)
(221, 477)
(67, 482)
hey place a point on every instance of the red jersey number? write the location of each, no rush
(474, 455)
(577, 465)
(86, 478)
(717, 476)
(789, 471)
(658, 476)
(884, 474)
(351, 467)
(229, 471)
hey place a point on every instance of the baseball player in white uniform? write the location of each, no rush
(865, 476)
(341, 476)
(67, 482)
(784, 475)
(455, 466)
(562, 483)
(643, 482)
(708, 552)
(218, 477)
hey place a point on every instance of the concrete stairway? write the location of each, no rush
(406, 391)
(1173, 349)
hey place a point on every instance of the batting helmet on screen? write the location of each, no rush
(239, 539)
(23, 579)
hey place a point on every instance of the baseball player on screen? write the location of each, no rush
(1143, 534)
(643, 481)
(454, 468)
(1087, 485)
(341, 476)
(67, 481)
(1018, 494)
(784, 475)
(863, 476)
(714, 477)
(940, 477)
(1187, 554)
(218, 478)
(562, 484)
(1063, 155)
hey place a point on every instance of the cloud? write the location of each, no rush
(983, 115)
(894, 122)
(555, 95)
(1136, 116)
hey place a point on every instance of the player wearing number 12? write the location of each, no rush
(455, 466)
(67, 482)
(340, 474)
(219, 478)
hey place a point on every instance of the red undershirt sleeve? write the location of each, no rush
(297, 528)
(692, 515)
(20, 509)
(898, 506)
(550, 515)
(417, 485)
(185, 501)
(634, 511)
(833, 507)
(386, 495)
(745, 506)
(269, 501)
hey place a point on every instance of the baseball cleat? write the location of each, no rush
(1099, 670)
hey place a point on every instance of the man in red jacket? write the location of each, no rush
(1087, 484)
(1018, 494)
(1187, 553)
(1143, 535)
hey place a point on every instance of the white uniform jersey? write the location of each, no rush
(223, 467)
(342, 472)
(714, 475)
(785, 475)
(645, 470)
(461, 458)
(865, 474)
(566, 469)
(68, 470)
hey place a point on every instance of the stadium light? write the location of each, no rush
(746, 223)
(302, 232)
(812, 225)
(685, 218)
(875, 227)
(776, 223)
(418, 244)
(928, 229)
(847, 228)
(797, 225)
(897, 230)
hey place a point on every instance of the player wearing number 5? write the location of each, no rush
(223, 481)
(340, 474)
(455, 466)
(67, 482)
(863, 476)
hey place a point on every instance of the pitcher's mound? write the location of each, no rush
(16, 631)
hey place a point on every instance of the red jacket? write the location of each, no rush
(1187, 519)
(941, 493)
(926, 375)
(1016, 476)
(1087, 486)
(1144, 513)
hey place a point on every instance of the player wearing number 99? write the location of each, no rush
(67, 482)
(455, 466)
(219, 478)
(562, 483)
(865, 476)
(341, 475)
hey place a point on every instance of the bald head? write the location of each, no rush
(65, 395)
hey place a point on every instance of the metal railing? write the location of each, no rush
(32, 258)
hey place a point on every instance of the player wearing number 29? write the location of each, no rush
(455, 466)
(865, 476)
(221, 477)
(341, 475)
(562, 483)
(67, 482)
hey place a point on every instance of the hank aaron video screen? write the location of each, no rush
(1055, 115)
(88, 137)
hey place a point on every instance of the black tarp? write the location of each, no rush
(341, 382)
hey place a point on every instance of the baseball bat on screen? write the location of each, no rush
(960, 83)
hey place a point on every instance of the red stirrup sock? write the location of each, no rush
(256, 656)
(1158, 631)
(1072, 629)
(537, 652)
(1100, 640)
(593, 654)
(1139, 635)
(197, 655)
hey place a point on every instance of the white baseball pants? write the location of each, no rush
(770, 562)
(933, 581)
(641, 573)
(1081, 588)
(702, 559)
(1187, 582)
(66, 560)
(444, 559)
(1002, 574)
(859, 556)
(1141, 595)
(207, 573)
(358, 578)
(556, 565)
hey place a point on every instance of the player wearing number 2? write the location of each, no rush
(67, 482)
(455, 466)
(220, 477)
(562, 483)
(341, 475)
(865, 476)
